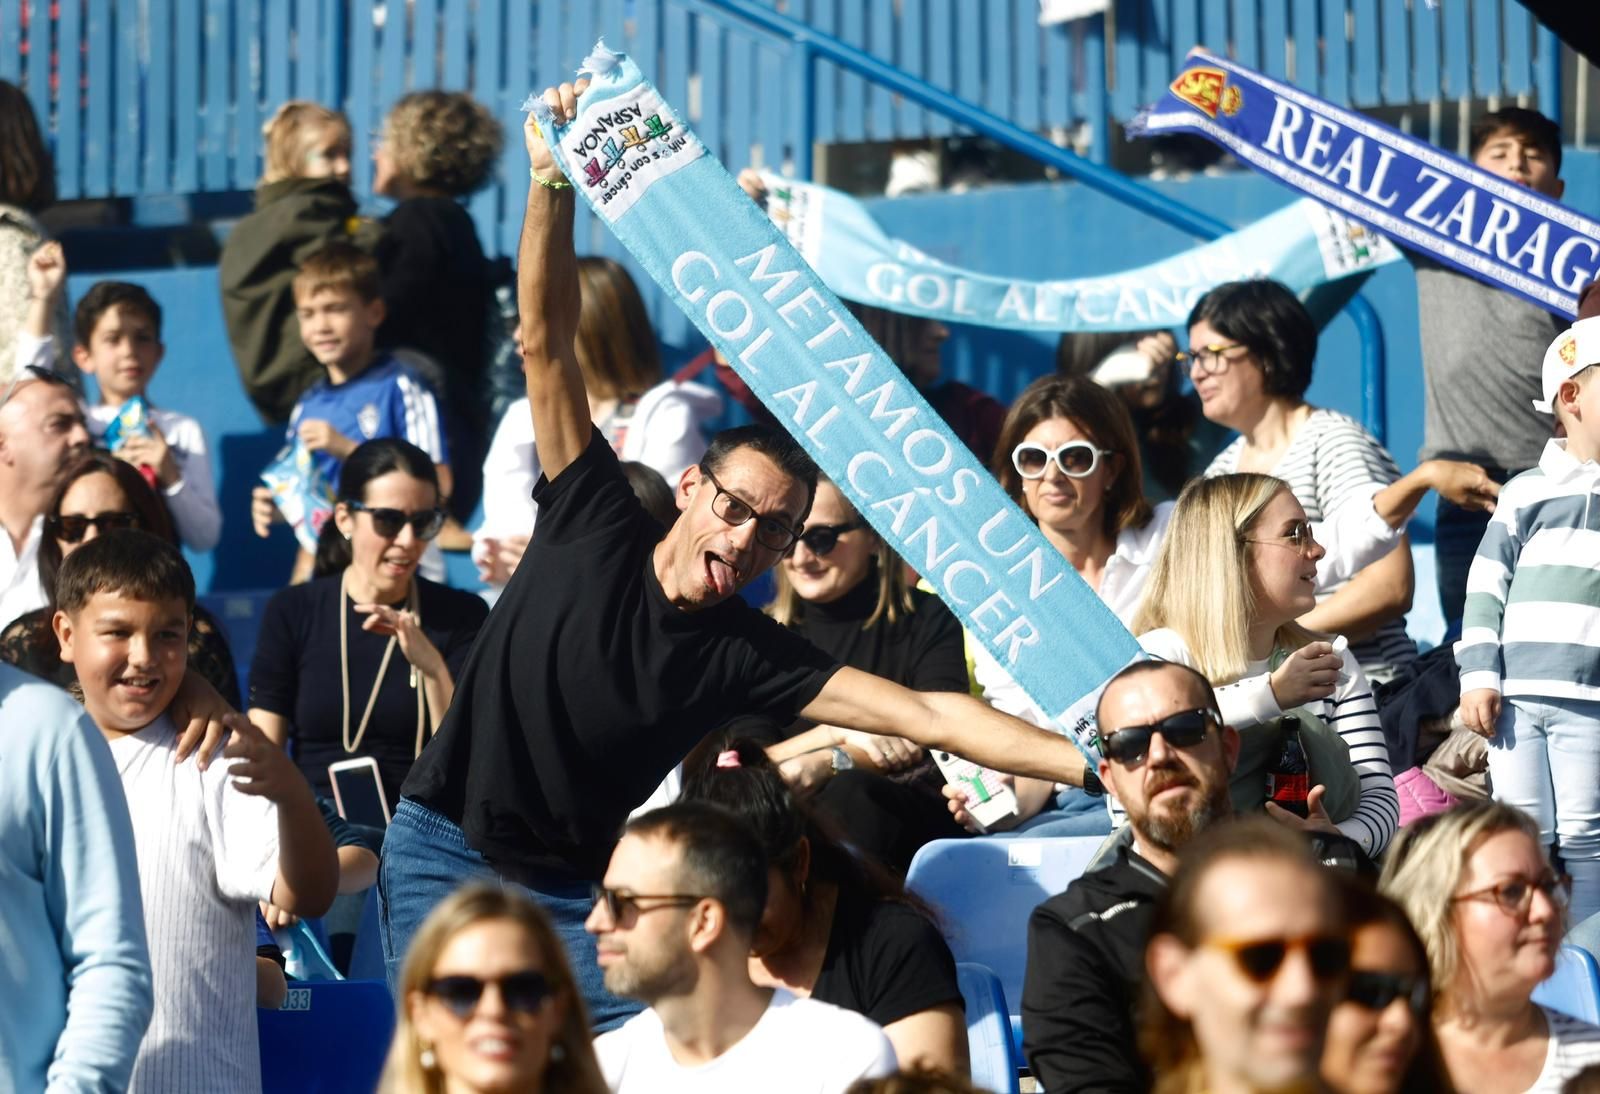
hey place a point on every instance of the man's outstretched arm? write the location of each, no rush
(950, 721)
(547, 301)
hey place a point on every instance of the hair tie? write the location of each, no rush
(728, 758)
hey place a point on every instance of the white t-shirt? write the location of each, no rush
(799, 1046)
(192, 500)
(20, 591)
(207, 853)
(1574, 1045)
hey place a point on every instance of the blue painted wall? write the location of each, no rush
(1030, 231)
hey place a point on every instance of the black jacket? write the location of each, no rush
(1085, 967)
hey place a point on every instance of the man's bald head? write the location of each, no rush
(1142, 673)
(42, 434)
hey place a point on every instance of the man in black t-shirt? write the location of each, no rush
(614, 649)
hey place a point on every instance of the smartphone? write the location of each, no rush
(358, 792)
(989, 800)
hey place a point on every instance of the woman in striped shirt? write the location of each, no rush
(1251, 348)
(1237, 570)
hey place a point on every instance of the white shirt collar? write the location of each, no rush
(1560, 465)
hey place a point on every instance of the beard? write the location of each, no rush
(1170, 829)
(650, 977)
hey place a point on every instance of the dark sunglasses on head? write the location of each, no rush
(1374, 991)
(522, 992)
(823, 538)
(1185, 729)
(73, 527)
(388, 522)
(1259, 959)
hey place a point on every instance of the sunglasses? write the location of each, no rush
(621, 905)
(425, 523)
(522, 992)
(73, 527)
(820, 539)
(1299, 537)
(1131, 744)
(1076, 459)
(1374, 991)
(1259, 959)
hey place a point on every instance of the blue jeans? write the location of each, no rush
(1074, 813)
(426, 857)
(1545, 760)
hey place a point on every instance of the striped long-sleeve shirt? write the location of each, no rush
(1352, 713)
(1532, 620)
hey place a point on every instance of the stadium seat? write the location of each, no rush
(366, 959)
(1574, 988)
(985, 890)
(994, 1055)
(240, 613)
(327, 1038)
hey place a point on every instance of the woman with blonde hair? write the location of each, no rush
(1238, 568)
(1490, 909)
(845, 590)
(488, 1004)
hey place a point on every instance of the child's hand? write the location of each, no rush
(153, 452)
(563, 103)
(277, 918)
(319, 436)
(260, 767)
(47, 271)
(1480, 710)
(1310, 672)
(423, 655)
(263, 511)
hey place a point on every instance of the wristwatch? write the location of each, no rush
(1092, 784)
(841, 760)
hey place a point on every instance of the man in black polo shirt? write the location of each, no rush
(614, 649)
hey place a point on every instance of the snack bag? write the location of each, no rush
(133, 420)
(300, 492)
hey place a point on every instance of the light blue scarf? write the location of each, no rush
(1304, 245)
(636, 161)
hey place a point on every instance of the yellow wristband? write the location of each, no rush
(556, 183)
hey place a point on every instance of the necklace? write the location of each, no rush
(413, 605)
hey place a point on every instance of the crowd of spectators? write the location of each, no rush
(646, 836)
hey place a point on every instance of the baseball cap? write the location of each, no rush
(1574, 350)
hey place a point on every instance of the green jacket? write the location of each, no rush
(293, 218)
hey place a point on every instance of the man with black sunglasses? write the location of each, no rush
(1167, 760)
(615, 648)
(42, 435)
(675, 917)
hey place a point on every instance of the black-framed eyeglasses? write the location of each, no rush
(1514, 896)
(1299, 536)
(620, 904)
(1213, 359)
(1374, 991)
(1131, 744)
(425, 523)
(34, 372)
(771, 532)
(820, 539)
(72, 527)
(1259, 959)
(524, 992)
(1075, 459)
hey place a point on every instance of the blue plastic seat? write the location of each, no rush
(1574, 988)
(366, 957)
(993, 1052)
(328, 1038)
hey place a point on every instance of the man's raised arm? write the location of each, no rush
(949, 721)
(547, 300)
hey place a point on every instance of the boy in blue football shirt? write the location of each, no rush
(366, 394)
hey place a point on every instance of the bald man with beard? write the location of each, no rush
(1167, 759)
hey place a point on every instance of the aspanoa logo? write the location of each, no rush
(612, 153)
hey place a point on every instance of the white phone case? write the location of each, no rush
(989, 800)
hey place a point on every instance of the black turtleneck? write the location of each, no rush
(922, 649)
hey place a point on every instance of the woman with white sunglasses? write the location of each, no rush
(1068, 455)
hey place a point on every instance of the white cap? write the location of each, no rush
(1574, 350)
(1123, 365)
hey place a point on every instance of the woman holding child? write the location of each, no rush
(325, 672)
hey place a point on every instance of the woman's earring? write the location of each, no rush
(427, 1059)
(558, 1052)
